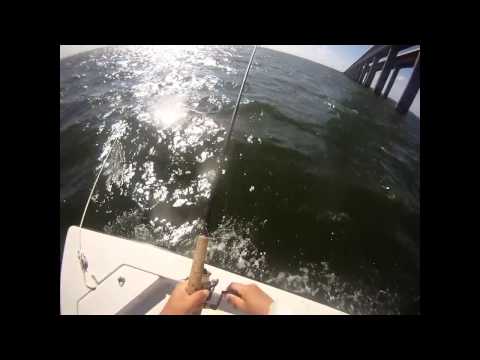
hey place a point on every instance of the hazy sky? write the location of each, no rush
(338, 57)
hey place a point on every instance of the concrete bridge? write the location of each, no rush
(385, 58)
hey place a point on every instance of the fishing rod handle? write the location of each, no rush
(196, 272)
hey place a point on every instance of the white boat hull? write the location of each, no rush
(132, 277)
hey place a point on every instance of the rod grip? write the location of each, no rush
(195, 278)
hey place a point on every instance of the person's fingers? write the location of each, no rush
(199, 297)
(238, 288)
(237, 302)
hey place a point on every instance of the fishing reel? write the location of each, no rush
(210, 285)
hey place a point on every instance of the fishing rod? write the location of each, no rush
(199, 277)
(227, 143)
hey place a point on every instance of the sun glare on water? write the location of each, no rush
(167, 111)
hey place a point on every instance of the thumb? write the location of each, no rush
(237, 302)
(199, 297)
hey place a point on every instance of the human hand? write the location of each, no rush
(249, 298)
(180, 303)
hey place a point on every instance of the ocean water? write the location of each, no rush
(320, 193)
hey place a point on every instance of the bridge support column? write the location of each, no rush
(387, 66)
(371, 73)
(411, 90)
(390, 83)
(362, 73)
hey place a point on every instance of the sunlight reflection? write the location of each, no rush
(167, 111)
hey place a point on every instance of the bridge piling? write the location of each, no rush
(411, 90)
(371, 73)
(387, 66)
(390, 83)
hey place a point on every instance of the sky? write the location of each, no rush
(338, 57)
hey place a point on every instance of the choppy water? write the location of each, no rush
(320, 194)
